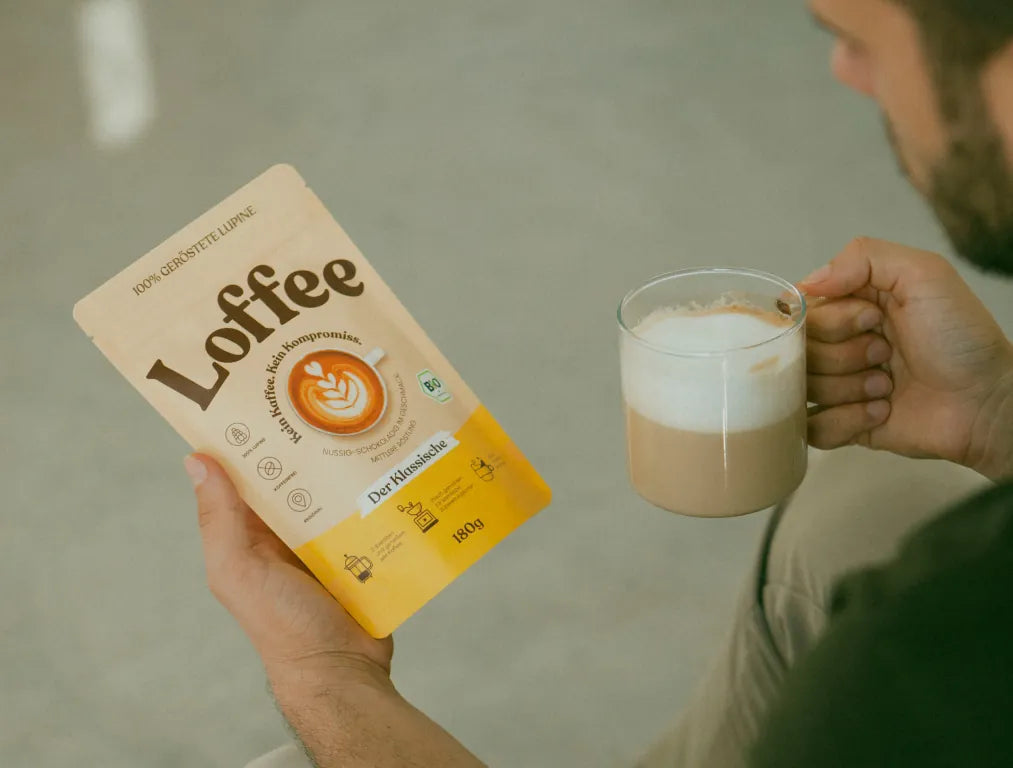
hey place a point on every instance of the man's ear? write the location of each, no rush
(997, 85)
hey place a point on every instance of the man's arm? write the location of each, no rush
(330, 678)
(353, 717)
(995, 426)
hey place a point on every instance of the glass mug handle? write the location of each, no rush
(375, 356)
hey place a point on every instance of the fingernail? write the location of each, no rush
(878, 385)
(195, 470)
(818, 276)
(878, 410)
(869, 319)
(879, 352)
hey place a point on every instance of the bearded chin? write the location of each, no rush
(971, 193)
(972, 196)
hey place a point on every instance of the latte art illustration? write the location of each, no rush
(343, 398)
(338, 392)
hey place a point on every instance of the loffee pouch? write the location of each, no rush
(266, 339)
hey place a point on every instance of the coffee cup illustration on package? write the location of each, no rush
(338, 392)
(266, 339)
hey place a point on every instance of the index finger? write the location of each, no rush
(869, 263)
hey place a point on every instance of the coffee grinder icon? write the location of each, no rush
(482, 468)
(360, 567)
(424, 519)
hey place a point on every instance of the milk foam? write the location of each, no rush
(740, 390)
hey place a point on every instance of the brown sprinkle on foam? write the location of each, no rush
(770, 362)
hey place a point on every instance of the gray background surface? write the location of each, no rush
(511, 168)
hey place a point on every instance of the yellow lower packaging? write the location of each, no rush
(267, 340)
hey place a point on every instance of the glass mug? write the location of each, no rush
(714, 389)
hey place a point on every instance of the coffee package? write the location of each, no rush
(266, 339)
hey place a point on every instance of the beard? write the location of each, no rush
(971, 189)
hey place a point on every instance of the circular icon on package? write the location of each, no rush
(338, 392)
(237, 434)
(269, 468)
(299, 500)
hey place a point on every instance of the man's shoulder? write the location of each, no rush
(966, 531)
(984, 516)
(915, 666)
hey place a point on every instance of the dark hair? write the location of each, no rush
(963, 33)
(971, 189)
(960, 37)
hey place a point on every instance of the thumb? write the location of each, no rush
(221, 512)
(868, 263)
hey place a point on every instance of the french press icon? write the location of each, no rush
(360, 567)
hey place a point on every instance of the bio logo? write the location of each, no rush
(433, 387)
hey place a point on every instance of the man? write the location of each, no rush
(914, 665)
(942, 73)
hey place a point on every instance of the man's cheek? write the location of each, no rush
(911, 162)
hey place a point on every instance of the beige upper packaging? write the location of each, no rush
(266, 339)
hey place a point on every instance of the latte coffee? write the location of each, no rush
(709, 474)
(715, 408)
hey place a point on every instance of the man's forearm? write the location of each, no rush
(1002, 465)
(355, 721)
(997, 426)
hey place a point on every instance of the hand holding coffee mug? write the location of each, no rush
(714, 387)
(338, 392)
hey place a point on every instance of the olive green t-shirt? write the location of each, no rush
(916, 667)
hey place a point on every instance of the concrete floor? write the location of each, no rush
(511, 168)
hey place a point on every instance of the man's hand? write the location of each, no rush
(905, 358)
(330, 678)
(289, 617)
